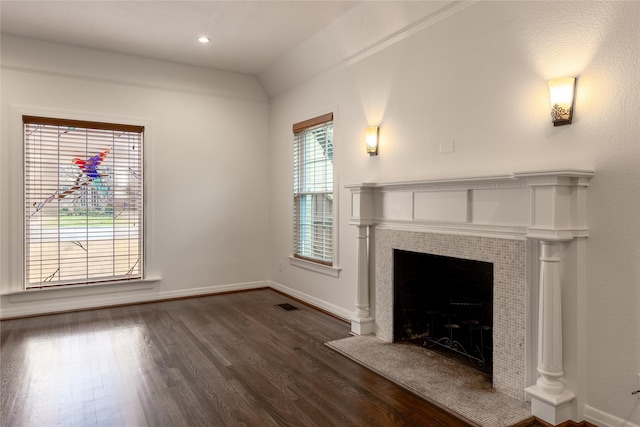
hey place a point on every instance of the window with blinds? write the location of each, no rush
(313, 189)
(83, 193)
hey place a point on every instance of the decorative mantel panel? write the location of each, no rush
(546, 206)
(549, 204)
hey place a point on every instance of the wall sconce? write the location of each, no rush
(561, 94)
(371, 137)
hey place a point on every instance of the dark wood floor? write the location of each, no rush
(225, 360)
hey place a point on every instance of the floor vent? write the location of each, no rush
(287, 307)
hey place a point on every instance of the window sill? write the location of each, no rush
(313, 266)
(79, 290)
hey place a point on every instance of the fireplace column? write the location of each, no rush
(550, 401)
(362, 322)
(558, 219)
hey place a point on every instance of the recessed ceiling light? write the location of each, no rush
(204, 39)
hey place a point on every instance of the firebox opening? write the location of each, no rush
(444, 304)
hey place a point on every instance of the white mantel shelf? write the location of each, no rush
(466, 181)
(540, 204)
(547, 206)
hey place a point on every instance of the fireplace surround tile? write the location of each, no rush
(508, 257)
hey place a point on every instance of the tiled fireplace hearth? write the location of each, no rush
(531, 227)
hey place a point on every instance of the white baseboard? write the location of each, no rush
(323, 305)
(603, 419)
(51, 301)
(182, 293)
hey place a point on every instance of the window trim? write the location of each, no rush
(302, 261)
(44, 140)
(15, 247)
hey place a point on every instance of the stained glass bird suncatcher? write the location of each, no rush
(90, 168)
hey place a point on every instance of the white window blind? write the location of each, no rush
(313, 190)
(83, 194)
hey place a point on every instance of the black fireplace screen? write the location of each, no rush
(444, 303)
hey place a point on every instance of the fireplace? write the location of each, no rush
(532, 226)
(445, 304)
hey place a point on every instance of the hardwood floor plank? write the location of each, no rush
(226, 360)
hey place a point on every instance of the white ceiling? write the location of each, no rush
(247, 36)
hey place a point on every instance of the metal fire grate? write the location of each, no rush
(287, 307)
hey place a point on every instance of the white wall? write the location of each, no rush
(478, 80)
(205, 158)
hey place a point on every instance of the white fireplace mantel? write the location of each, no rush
(544, 206)
(547, 205)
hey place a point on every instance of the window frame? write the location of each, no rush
(15, 244)
(299, 260)
(94, 194)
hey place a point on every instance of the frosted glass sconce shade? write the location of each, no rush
(371, 137)
(561, 94)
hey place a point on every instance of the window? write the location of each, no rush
(313, 190)
(83, 193)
